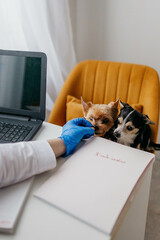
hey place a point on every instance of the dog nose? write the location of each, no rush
(96, 128)
(117, 134)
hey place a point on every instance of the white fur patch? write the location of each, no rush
(126, 139)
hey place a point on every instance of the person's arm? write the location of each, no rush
(72, 133)
(20, 161)
(58, 146)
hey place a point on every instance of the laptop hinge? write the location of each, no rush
(14, 117)
(32, 119)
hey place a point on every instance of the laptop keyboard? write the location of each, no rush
(10, 132)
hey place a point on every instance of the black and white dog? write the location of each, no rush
(133, 129)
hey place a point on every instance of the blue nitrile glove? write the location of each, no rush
(73, 132)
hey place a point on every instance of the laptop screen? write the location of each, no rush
(22, 82)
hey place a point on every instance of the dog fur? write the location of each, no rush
(133, 129)
(129, 128)
(101, 116)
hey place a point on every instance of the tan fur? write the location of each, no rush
(133, 131)
(127, 136)
(120, 119)
(96, 114)
(125, 130)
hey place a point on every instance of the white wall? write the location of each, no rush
(117, 30)
(89, 28)
(127, 31)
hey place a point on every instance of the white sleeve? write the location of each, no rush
(19, 161)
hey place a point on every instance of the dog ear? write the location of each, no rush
(113, 104)
(123, 105)
(116, 103)
(145, 136)
(85, 106)
(114, 109)
(147, 120)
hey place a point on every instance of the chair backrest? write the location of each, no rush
(104, 81)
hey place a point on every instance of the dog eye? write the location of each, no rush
(129, 128)
(91, 118)
(105, 120)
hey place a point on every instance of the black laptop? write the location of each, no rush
(22, 94)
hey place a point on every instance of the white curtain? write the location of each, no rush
(40, 25)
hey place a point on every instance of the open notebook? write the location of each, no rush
(12, 201)
(96, 182)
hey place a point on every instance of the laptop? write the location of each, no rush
(22, 94)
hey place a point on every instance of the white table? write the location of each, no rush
(40, 220)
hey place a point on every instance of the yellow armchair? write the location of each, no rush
(104, 81)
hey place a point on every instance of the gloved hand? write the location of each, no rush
(73, 132)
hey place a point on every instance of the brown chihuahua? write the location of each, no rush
(101, 116)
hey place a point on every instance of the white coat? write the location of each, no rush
(19, 161)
